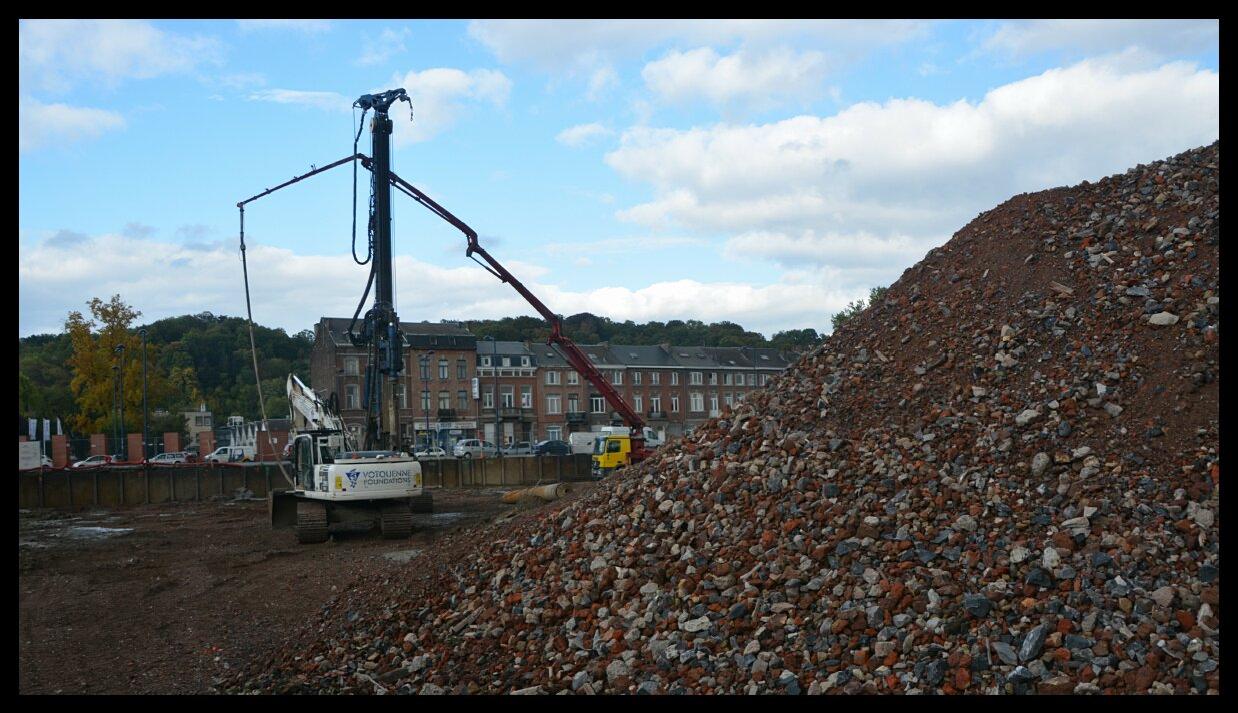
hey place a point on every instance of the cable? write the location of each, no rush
(356, 139)
(253, 350)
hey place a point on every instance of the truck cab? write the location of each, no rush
(611, 451)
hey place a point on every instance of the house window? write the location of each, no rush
(713, 378)
(425, 400)
(462, 369)
(526, 397)
(730, 400)
(674, 378)
(424, 366)
(507, 361)
(655, 377)
(616, 377)
(713, 403)
(695, 378)
(636, 401)
(752, 379)
(401, 396)
(485, 361)
(674, 404)
(554, 433)
(442, 370)
(726, 379)
(508, 396)
(554, 404)
(655, 403)
(696, 402)
(573, 378)
(597, 404)
(462, 401)
(573, 403)
(524, 361)
(350, 397)
(350, 366)
(444, 400)
(636, 378)
(487, 398)
(552, 378)
(764, 379)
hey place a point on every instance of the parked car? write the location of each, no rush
(173, 457)
(519, 448)
(229, 454)
(432, 452)
(94, 462)
(552, 448)
(474, 448)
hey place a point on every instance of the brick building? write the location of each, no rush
(435, 393)
(523, 391)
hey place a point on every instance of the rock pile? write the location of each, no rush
(1002, 477)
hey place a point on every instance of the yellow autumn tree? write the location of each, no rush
(97, 362)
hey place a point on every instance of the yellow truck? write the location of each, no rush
(612, 449)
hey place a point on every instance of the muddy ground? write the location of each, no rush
(166, 598)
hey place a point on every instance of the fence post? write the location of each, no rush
(197, 485)
(122, 489)
(96, 486)
(146, 480)
(42, 495)
(171, 485)
(69, 480)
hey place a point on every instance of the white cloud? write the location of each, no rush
(40, 124)
(389, 43)
(913, 167)
(440, 96)
(809, 249)
(613, 246)
(164, 278)
(327, 101)
(758, 79)
(602, 80)
(306, 27)
(581, 134)
(1166, 37)
(558, 45)
(56, 55)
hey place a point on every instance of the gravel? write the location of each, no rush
(882, 516)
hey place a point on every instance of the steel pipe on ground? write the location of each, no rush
(550, 492)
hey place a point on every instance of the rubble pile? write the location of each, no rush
(1001, 477)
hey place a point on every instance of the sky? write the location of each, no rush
(761, 172)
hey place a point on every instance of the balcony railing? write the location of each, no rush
(660, 415)
(510, 412)
(577, 417)
(447, 414)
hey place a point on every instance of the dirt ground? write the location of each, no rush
(166, 598)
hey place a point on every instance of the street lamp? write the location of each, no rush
(494, 367)
(425, 380)
(145, 449)
(115, 405)
(123, 451)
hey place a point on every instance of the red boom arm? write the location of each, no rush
(574, 355)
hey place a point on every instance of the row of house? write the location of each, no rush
(455, 386)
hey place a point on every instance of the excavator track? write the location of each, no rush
(311, 522)
(396, 522)
(423, 503)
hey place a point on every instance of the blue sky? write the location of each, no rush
(765, 172)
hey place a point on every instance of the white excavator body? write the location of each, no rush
(335, 484)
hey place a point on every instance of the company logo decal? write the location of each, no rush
(353, 476)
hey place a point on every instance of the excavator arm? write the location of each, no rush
(573, 353)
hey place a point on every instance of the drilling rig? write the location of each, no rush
(334, 483)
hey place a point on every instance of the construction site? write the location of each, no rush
(1000, 476)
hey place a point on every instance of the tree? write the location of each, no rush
(92, 362)
(855, 307)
